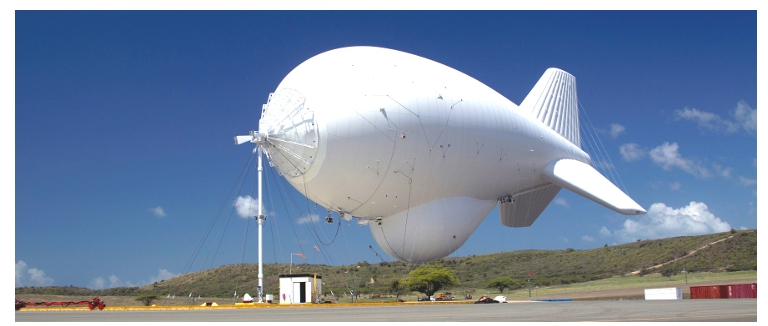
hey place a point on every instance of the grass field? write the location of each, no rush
(629, 287)
(616, 284)
(623, 287)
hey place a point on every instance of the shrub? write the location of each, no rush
(146, 299)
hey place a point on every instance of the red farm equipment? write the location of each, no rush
(95, 303)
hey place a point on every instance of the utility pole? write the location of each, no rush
(529, 286)
(685, 270)
(261, 219)
(259, 139)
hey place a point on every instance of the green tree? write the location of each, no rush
(397, 286)
(146, 299)
(503, 282)
(429, 279)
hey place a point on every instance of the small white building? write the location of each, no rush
(664, 294)
(300, 288)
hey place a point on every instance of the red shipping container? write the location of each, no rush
(738, 291)
(709, 292)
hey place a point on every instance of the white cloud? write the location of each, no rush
(707, 120)
(746, 181)
(561, 202)
(674, 186)
(307, 219)
(30, 276)
(162, 274)
(743, 228)
(21, 267)
(587, 238)
(664, 222)
(632, 152)
(97, 283)
(604, 232)
(724, 172)
(247, 207)
(114, 281)
(744, 118)
(667, 157)
(158, 211)
(616, 130)
(38, 277)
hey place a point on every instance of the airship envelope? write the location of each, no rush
(422, 152)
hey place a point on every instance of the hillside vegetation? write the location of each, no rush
(736, 251)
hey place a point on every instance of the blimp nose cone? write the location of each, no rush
(291, 132)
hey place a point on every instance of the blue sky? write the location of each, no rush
(124, 123)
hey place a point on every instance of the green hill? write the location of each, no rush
(729, 251)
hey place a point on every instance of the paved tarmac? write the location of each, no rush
(724, 310)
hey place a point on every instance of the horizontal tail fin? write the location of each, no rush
(584, 180)
(553, 101)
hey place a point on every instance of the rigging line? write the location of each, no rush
(271, 223)
(279, 192)
(326, 256)
(309, 209)
(586, 137)
(226, 225)
(407, 211)
(398, 255)
(448, 119)
(242, 257)
(272, 236)
(374, 125)
(588, 133)
(311, 224)
(346, 279)
(245, 241)
(606, 152)
(376, 253)
(599, 153)
(599, 161)
(200, 244)
(612, 167)
(530, 195)
(247, 218)
(339, 250)
(389, 166)
(587, 145)
(603, 149)
(456, 252)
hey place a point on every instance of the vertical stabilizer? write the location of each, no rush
(521, 210)
(553, 101)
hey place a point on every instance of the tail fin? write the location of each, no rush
(584, 180)
(553, 101)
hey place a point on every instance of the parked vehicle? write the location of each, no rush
(440, 296)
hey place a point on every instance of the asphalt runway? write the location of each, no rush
(714, 310)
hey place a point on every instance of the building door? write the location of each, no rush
(299, 292)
